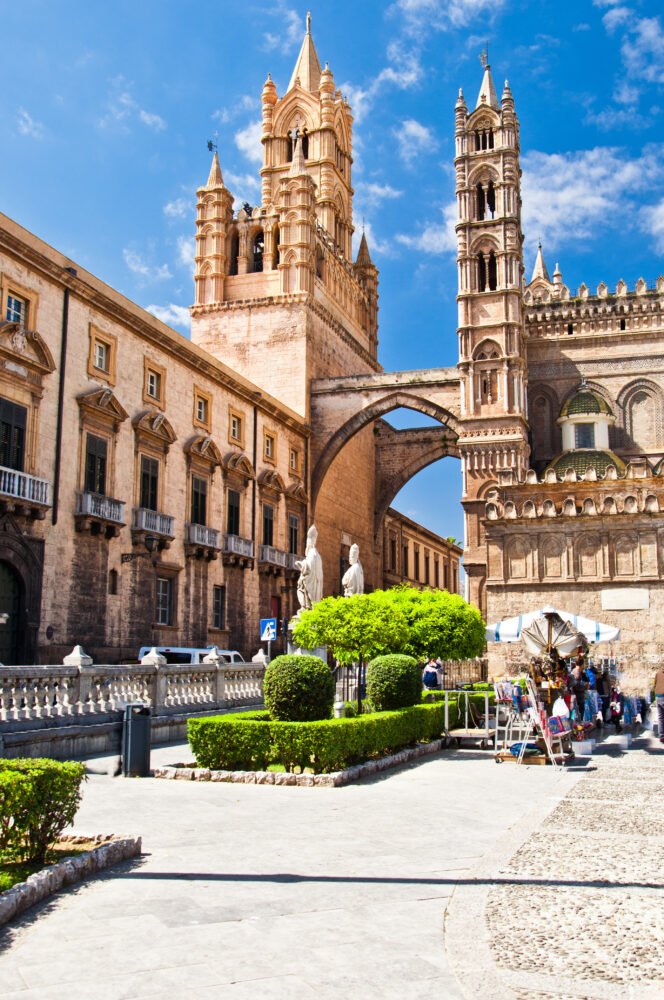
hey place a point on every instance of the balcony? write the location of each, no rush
(99, 514)
(271, 560)
(237, 551)
(293, 557)
(151, 522)
(202, 542)
(23, 494)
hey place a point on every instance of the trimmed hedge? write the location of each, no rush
(298, 689)
(251, 741)
(39, 797)
(393, 681)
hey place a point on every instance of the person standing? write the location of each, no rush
(617, 707)
(659, 701)
(579, 683)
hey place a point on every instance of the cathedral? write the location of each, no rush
(155, 489)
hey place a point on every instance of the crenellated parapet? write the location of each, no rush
(551, 310)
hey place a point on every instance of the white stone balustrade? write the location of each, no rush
(24, 487)
(67, 692)
(272, 555)
(238, 546)
(96, 505)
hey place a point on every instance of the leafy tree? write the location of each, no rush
(355, 629)
(439, 624)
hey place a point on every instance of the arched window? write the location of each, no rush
(275, 248)
(257, 247)
(481, 203)
(481, 272)
(491, 200)
(493, 272)
(305, 144)
(206, 289)
(233, 253)
(289, 147)
(320, 264)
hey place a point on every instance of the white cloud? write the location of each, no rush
(643, 50)
(404, 71)
(436, 238)
(151, 120)
(122, 110)
(187, 252)
(245, 103)
(413, 138)
(371, 193)
(568, 196)
(27, 125)
(442, 15)
(376, 245)
(137, 265)
(291, 33)
(179, 208)
(248, 141)
(616, 16)
(243, 185)
(172, 315)
(652, 221)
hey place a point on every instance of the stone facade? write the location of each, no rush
(413, 554)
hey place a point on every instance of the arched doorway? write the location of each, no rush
(11, 600)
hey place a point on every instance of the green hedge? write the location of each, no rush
(298, 689)
(38, 799)
(251, 741)
(393, 681)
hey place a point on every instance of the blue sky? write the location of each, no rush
(107, 108)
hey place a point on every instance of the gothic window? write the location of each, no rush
(481, 272)
(625, 552)
(206, 285)
(257, 248)
(481, 203)
(320, 264)
(493, 272)
(289, 147)
(233, 252)
(488, 386)
(304, 141)
(584, 435)
(518, 559)
(275, 248)
(642, 420)
(484, 139)
(588, 550)
(552, 556)
(491, 200)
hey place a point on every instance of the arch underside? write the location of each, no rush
(373, 412)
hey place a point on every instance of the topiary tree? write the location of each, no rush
(298, 689)
(439, 624)
(393, 681)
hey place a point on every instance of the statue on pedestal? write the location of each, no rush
(310, 582)
(353, 578)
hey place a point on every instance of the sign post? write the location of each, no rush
(268, 633)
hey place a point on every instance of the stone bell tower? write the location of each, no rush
(278, 296)
(491, 321)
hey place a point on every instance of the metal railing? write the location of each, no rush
(238, 546)
(199, 534)
(268, 554)
(151, 520)
(96, 505)
(24, 487)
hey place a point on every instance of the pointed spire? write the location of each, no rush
(215, 179)
(307, 68)
(460, 102)
(363, 256)
(487, 96)
(299, 164)
(539, 270)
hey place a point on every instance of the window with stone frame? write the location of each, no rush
(154, 383)
(199, 499)
(96, 464)
(294, 461)
(18, 304)
(218, 607)
(404, 560)
(584, 435)
(165, 600)
(17, 309)
(268, 524)
(149, 483)
(269, 447)
(102, 355)
(393, 554)
(293, 534)
(202, 409)
(416, 559)
(233, 512)
(13, 425)
(235, 427)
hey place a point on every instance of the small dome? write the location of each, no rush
(582, 459)
(585, 401)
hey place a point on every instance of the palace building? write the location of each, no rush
(156, 489)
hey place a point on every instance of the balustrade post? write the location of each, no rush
(160, 682)
(220, 685)
(86, 702)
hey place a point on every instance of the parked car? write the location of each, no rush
(187, 654)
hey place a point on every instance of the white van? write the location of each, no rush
(185, 654)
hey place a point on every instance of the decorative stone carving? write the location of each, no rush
(310, 582)
(353, 578)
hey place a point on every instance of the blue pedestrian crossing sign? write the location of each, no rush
(268, 629)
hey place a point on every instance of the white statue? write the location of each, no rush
(353, 578)
(310, 582)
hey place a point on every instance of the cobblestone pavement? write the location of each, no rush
(576, 911)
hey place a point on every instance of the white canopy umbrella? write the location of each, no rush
(511, 629)
(551, 632)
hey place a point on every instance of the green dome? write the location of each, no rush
(582, 459)
(585, 401)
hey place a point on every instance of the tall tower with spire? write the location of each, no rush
(491, 320)
(279, 298)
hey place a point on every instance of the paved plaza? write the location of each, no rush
(451, 878)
